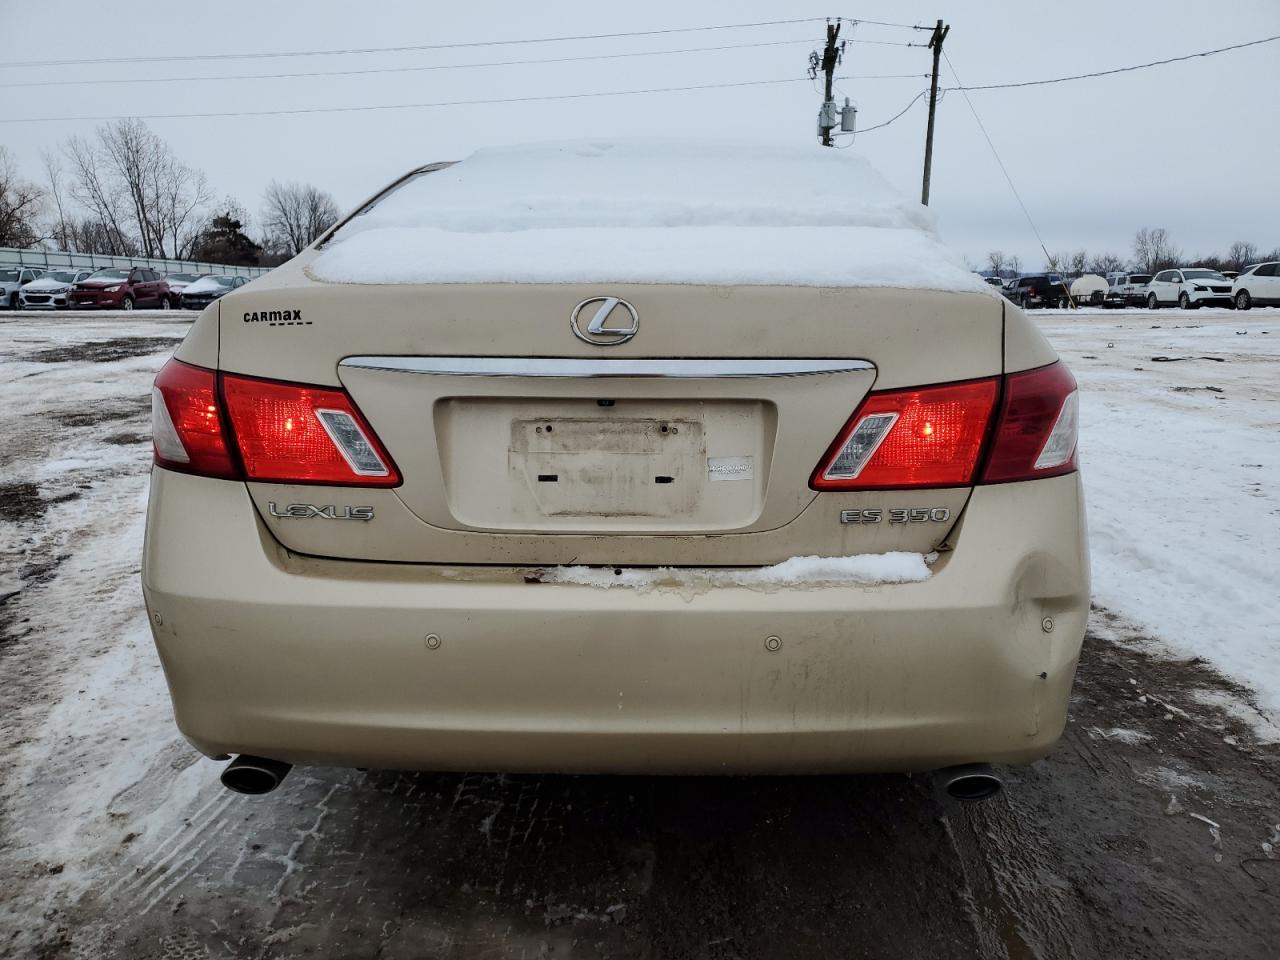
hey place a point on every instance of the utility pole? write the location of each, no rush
(832, 54)
(935, 44)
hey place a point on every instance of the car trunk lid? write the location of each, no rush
(690, 444)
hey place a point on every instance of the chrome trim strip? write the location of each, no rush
(579, 368)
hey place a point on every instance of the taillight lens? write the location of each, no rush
(928, 437)
(935, 436)
(294, 433)
(186, 426)
(236, 427)
(1036, 430)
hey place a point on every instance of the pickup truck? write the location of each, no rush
(1127, 289)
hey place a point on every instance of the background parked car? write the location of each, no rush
(1039, 290)
(121, 288)
(180, 281)
(13, 279)
(1127, 289)
(50, 291)
(1257, 286)
(1189, 288)
(201, 293)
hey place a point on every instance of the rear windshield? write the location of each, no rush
(1140, 278)
(8, 276)
(1203, 275)
(111, 275)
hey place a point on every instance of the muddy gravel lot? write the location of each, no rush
(1152, 831)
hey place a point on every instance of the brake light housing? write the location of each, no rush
(187, 429)
(1036, 430)
(926, 437)
(247, 428)
(1021, 426)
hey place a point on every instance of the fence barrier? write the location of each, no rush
(54, 259)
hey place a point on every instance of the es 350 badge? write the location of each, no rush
(897, 515)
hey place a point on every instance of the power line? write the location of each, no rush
(375, 70)
(881, 23)
(878, 126)
(406, 106)
(995, 153)
(404, 49)
(1107, 73)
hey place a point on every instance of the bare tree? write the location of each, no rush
(21, 203)
(1079, 261)
(1240, 254)
(996, 262)
(1104, 263)
(93, 189)
(1154, 250)
(90, 235)
(294, 214)
(130, 181)
(1058, 262)
(58, 226)
(1015, 264)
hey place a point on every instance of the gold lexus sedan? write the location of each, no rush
(619, 457)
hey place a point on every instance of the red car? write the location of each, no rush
(122, 288)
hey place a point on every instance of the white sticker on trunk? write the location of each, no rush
(730, 468)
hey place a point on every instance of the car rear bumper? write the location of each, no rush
(412, 666)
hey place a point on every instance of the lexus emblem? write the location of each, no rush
(597, 330)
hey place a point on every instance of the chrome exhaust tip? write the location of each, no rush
(968, 782)
(254, 775)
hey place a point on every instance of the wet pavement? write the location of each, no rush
(1151, 831)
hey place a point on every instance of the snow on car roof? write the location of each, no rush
(647, 211)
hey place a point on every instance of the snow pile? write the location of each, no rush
(861, 570)
(648, 211)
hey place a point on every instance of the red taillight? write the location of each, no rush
(1036, 431)
(928, 437)
(282, 432)
(935, 436)
(186, 427)
(294, 433)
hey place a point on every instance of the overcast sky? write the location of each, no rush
(1191, 146)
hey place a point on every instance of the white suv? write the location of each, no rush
(1257, 286)
(13, 279)
(1189, 287)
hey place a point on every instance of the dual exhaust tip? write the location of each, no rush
(254, 775)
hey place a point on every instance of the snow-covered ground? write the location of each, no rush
(1180, 447)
